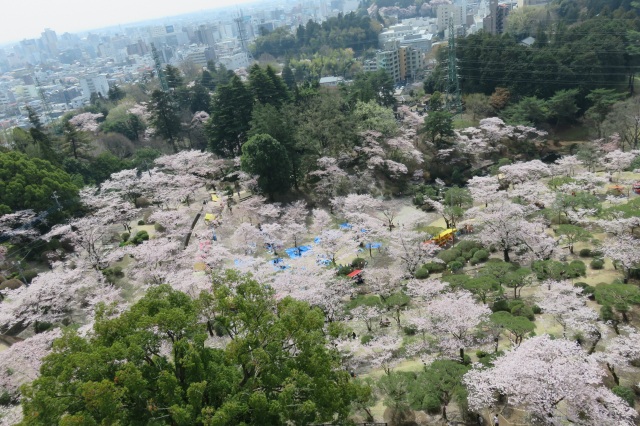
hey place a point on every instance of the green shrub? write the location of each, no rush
(597, 264)
(434, 267)
(468, 245)
(358, 263)
(344, 270)
(30, 274)
(626, 394)
(481, 255)
(418, 200)
(501, 305)
(586, 288)
(455, 265)
(5, 398)
(140, 222)
(467, 360)
(585, 252)
(125, 236)
(366, 338)
(422, 273)
(577, 268)
(536, 309)
(461, 259)
(410, 330)
(41, 326)
(431, 403)
(522, 310)
(112, 274)
(450, 255)
(140, 237)
(158, 227)
(481, 354)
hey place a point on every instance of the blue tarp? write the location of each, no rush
(374, 245)
(316, 240)
(325, 262)
(345, 226)
(295, 252)
(277, 260)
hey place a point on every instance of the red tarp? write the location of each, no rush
(355, 273)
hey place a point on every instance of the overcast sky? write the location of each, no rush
(21, 19)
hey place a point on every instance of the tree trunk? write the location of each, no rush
(505, 253)
(612, 369)
(592, 349)
(462, 355)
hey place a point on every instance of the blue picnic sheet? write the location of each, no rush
(374, 245)
(345, 226)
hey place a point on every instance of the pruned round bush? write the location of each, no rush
(358, 263)
(521, 310)
(158, 227)
(410, 330)
(577, 268)
(536, 309)
(422, 273)
(585, 252)
(42, 326)
(366, 338)
(481, 255)
(586, 288)
(455, 265)
(597, 264)
(468, 245)
(434, 267)
(450, 255)
(501, 305)
(140, 222)
(344, 270)
(140, 237)
(626, 394)
(125, 236)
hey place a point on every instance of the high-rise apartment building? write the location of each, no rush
(450, 12)
(401, 63)
(96, 83)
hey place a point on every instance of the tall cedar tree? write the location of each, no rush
(228, 126)
(264, 156)
(165, 117)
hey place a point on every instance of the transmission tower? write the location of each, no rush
(46, 108)
(242, 35)
(454, 102)
(161, 77)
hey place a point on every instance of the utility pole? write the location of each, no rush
(55, 197)
(453, 99)
(159, 71)
(46, 108)
(242, 36)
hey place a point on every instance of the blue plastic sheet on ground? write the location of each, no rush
(237, 262)
(325, 262)
(364, 230)
(374, 245)
(345, 226)
(316, 240)
(296, 252)
(277, 260)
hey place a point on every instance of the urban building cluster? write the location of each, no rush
(57, 73)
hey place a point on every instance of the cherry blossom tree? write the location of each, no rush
(520, 172)
(21, 362)
(384, 281)
(454, 316)
(484, 189)
(409, 247)
(331, 241)
(246, 238)
(500, 225)
(620, 351)
(568, 164)
(567, 305)
(624, 250)
(554, 380)
(367, 314)
(327, 179)
(616, 161)
(321, 220)
(86, 122)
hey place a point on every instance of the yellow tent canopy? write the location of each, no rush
(209, 217)
(445, 233)
(214, 198)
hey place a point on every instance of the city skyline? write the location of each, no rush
(72, 16)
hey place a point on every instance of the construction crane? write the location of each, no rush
(242, 36)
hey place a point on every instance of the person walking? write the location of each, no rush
(496, 421)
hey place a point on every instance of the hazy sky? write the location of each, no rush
(21, 19)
